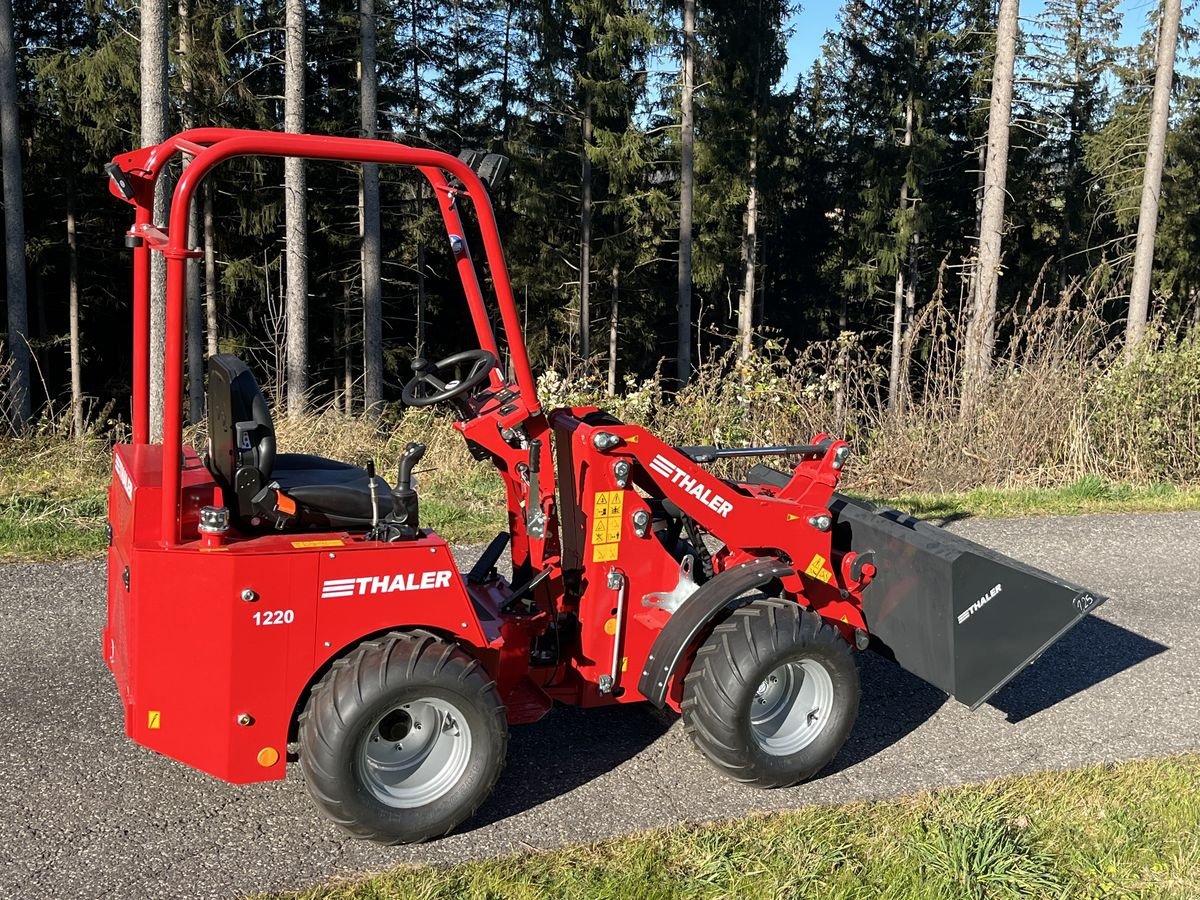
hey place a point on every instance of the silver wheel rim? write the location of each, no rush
(791, 707)
(415, 752)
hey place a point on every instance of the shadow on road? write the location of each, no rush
(1094, 650)
(571, 746)
(567, 749)
(894, 703)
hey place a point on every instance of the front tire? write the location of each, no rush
(403, 739)
(772, 695)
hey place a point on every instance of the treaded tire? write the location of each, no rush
(721, 690)
(345, 708)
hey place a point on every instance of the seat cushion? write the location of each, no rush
(336, 492)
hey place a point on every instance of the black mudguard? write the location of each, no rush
(720, 594)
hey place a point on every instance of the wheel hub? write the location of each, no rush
(415, 753)
(791, 707)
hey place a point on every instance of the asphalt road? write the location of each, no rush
(85, 813)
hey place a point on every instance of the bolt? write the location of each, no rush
(641, 522)
(245, 719)
(774, 680)
(605, 440)
(399, 746)
(621, 470)
(249, 595)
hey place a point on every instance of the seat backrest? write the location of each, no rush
(240, 433)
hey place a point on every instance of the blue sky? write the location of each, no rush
(818, 16)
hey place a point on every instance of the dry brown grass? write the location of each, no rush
(1064, 411)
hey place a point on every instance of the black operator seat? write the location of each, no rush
(280, 491)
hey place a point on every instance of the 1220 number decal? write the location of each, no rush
(275, 617)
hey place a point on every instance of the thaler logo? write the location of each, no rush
(697, 489)
(979, 604)
(385, 584)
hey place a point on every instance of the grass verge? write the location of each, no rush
(1130, 830)
(53, 520)
(1087, 495)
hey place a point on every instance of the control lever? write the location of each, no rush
(374, 495)
(405, 494)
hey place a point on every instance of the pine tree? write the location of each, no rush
(1139, 294)
(296, 208)
(152, 38)
(981, 335)
(19, 401)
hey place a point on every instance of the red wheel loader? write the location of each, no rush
(267, 607)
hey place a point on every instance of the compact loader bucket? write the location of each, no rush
(959, 615)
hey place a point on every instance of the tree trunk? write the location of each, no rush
(749, 249)
(417, 113)
(347, 363)
(585, 238)
(372, 290)
(195, 324)
(77, 422)
(1143, 259)
(839, 390)
(195, 309)
(506, 75)
(19, 401)
(295, 215)
(211, 298)
(901, 290)
(153, 61)
(612, 330)
(419, 344)
(981, 336)
(683, 307)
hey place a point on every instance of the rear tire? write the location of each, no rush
(403, 739)
(772, 695)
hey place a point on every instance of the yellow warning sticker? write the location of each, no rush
(606, 525)
(605, 552)
(153, 719)
(305, 545)
(816, 569)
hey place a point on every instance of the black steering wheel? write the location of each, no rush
(429, 377)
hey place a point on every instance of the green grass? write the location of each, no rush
(1087, 495)
(1125, 831)
(36, 527)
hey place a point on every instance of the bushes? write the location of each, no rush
(1063, 405)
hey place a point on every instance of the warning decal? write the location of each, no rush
(816, 569)
(606, 525)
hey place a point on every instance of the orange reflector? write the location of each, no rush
(285, 504)
(610, 627)
(267, 757)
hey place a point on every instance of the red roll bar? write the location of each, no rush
(211, 146)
